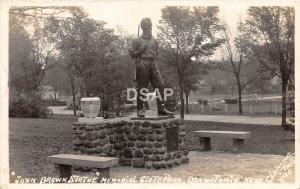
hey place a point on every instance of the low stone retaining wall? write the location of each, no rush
(137, 143)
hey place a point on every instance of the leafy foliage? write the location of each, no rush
(187, 33)
(243, 69)
(31, 54)
(94, 56)
(29, 104)
(272, 34)
(31, 50)
(171, 103)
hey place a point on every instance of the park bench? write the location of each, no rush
(237, 136)
(64, 163)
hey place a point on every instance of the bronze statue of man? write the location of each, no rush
(144, 50)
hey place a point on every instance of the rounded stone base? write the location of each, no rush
(145, 143)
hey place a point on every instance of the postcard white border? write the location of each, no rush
(4, 158)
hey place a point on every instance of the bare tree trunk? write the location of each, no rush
(187, 103)
(240, 103)
(74, 102)
(55, 93)
(83, 89)
(71, 77)
(240, 97)
(181, 98)
(283, 104)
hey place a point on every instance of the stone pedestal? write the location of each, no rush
(136, 142)
(90, 120)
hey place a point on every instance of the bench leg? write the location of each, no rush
(103, 173)
(204, 144)
(238, 145)
(65, 171)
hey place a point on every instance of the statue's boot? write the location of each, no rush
(164, 112)
(161, 109)
(140, 113)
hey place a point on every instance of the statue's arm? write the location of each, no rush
(137, 49)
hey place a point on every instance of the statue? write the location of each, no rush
(144, 50)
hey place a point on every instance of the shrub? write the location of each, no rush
(28, 104)
(171, 103)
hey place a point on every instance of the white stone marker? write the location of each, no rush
(152, 104)
(90, 107)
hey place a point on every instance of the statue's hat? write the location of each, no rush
(145, 22)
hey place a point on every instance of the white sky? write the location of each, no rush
(128, 14)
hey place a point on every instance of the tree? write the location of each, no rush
(272, 34)
(20, 46)
(218, 80)
(31, 54)
(235, 55)
(85, 39)
(35, 53)
(57, 78)
(262, 84)
(191, 80)
(72, 77)
(94, 58)
(28, 23)
(186, 32)
(94, 55)
(116, 75)
(29, 13)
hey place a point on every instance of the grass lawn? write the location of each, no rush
(32, 140)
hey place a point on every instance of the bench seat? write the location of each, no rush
(83, 160)
(237, 137)
(65, 162)
(226, 134)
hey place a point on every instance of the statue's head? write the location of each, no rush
(146, 26)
